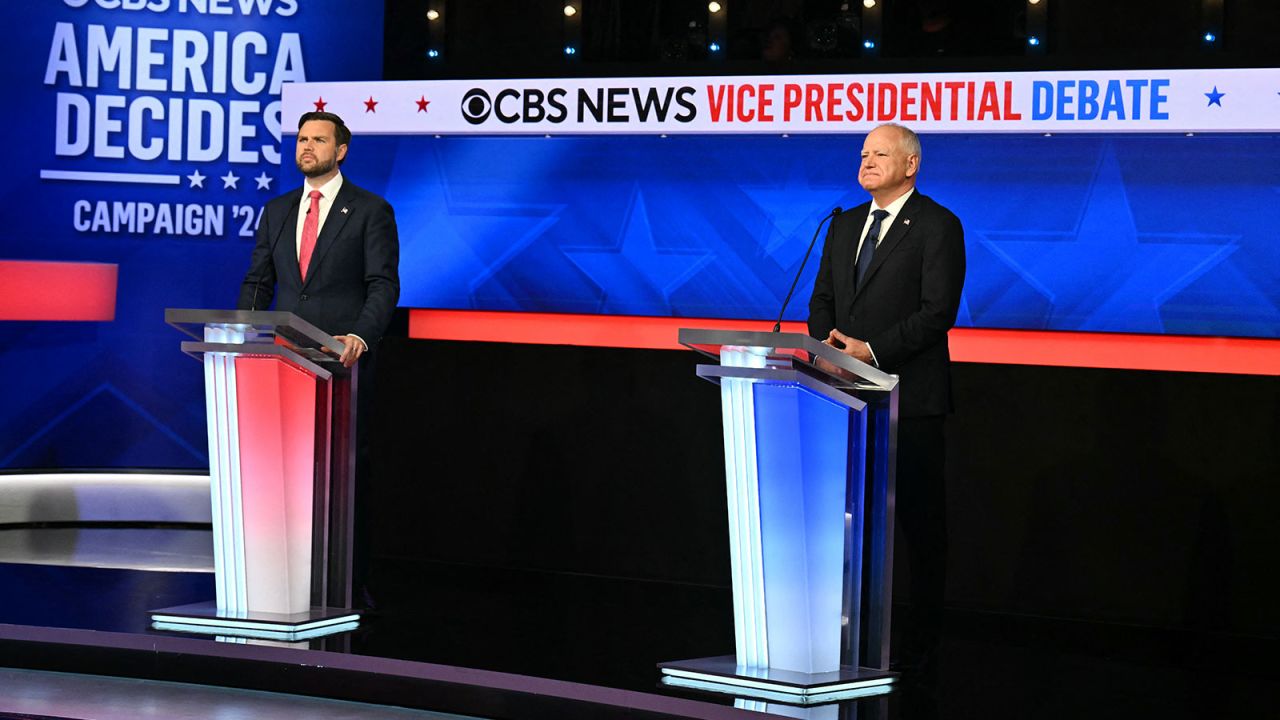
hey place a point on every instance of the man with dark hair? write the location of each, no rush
(887, 291)
(330, 247)
(329, 252)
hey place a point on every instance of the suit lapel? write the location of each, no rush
(898, 230)
(339, 213)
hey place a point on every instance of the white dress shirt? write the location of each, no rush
(328, 192)
(893, 209)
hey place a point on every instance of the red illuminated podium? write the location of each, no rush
(281, 415)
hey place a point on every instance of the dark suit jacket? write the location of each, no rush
(353, 282)
(907, 302)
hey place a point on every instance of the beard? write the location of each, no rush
(319, 168)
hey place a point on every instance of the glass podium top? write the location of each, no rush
(794, 350)
(260, 326)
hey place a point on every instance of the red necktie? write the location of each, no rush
(310, 229)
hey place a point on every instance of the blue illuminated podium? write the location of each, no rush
(809, 447)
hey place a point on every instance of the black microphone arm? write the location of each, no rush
(271, 258)
(777, 326)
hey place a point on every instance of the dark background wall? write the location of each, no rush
(492, 38)
(1133, 498)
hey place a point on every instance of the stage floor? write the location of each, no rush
(611, 632)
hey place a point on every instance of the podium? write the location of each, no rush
(281, 417)
(809, 446)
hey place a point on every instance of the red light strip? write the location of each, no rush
(40, 290)
(1242, 356)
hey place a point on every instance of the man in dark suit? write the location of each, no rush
(887, 292)
(330, 247)
(330, 253)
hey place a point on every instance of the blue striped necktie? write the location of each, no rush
(869, 245)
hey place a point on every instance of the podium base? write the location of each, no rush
(723, 675)
(206, 619)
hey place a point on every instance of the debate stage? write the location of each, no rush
(490, 643)
(547, 575)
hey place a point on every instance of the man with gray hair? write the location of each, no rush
(887, 292)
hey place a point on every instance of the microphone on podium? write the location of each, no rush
(777, 326)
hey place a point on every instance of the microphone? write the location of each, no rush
(777, 326)
(271, 254)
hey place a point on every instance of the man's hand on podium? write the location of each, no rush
(852, 347)
(352, 350)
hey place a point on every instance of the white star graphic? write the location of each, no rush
(197, 180)
(229, 181)
(264, 182)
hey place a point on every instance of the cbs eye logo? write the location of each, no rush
(476, 106)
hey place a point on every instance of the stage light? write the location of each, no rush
(714, 7)
(868, 4)
(433, 14)
(1210, 37)
(869, 44)
(714, 47)
(570, 50)
(1033, 41)
(570, 11)
(433, 53)
(1033, 2)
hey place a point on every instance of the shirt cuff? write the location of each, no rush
(874, 361)
(366, 345)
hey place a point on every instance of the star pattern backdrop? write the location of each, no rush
(1106, 233)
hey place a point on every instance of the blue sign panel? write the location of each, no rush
(146, 133)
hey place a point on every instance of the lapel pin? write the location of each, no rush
(906, 221)
(344, 211)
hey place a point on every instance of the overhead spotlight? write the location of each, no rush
(570, 50)
(868, 4)
(433, 53)
(869, 44)
(570, 11)
(1033, 2)
(1033, 41)
(714, 7)
(1210, 37)
(714, 47)
(433, 14)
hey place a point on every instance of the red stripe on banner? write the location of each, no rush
(1241, 356)
(40, 290)
(1180, 353)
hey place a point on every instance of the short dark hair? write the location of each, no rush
(341, 134)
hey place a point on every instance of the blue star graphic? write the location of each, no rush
(634, 273)
(1215, 97)
(794, 207)
(1105, 275)
(459, 241)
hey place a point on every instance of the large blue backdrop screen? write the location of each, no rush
(1145, 234)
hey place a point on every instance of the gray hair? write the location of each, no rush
(908, 140)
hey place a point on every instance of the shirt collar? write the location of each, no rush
(895, 207)
(329, 190)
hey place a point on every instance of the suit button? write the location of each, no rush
(302, 297)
